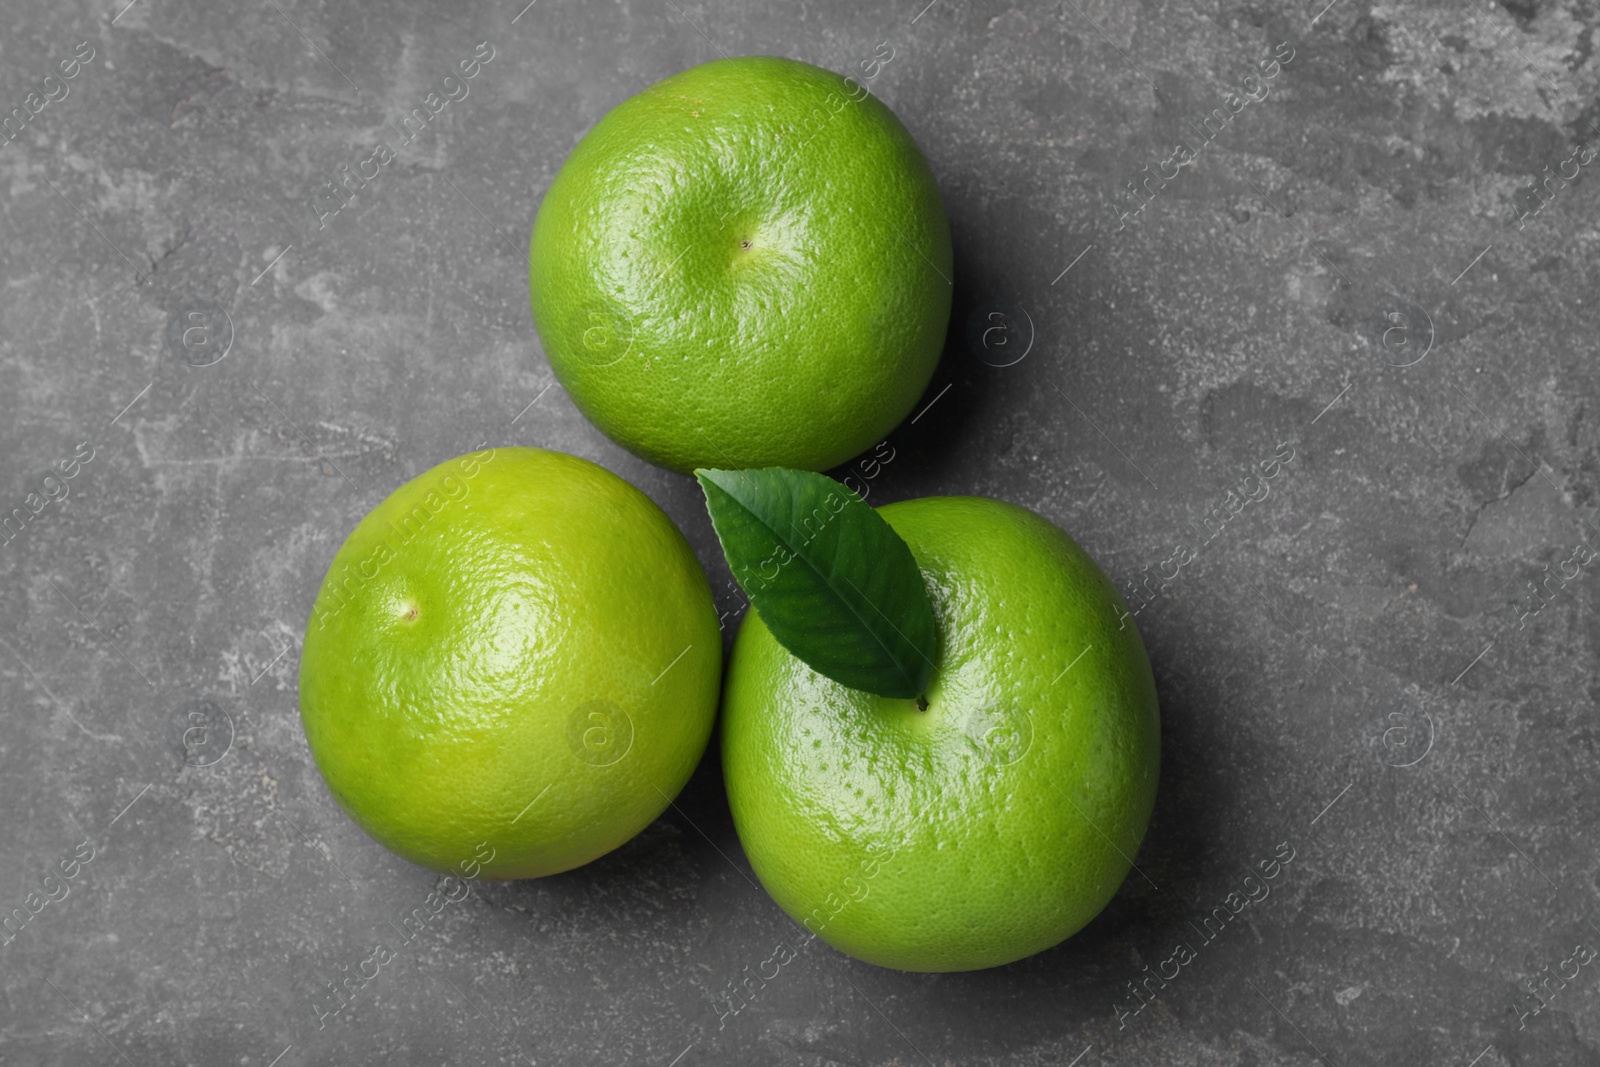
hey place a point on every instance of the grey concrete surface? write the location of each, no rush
(1354, 669)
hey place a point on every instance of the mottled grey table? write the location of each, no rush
(1171, 265)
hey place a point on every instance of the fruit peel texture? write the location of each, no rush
(465, 631)
(993, 825)
(744, 266)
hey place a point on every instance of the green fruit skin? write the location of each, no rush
(435, 733)
(691, 353)
(885, 830)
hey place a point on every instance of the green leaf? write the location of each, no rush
(832, 581)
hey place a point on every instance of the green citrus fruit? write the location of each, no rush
(512, 665)
(746, 265)
(995, 823)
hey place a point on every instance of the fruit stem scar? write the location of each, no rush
(922, 702)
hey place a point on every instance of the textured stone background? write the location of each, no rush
(1350, 668)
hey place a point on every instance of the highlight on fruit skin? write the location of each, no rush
(747, 264)
(511, 667)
